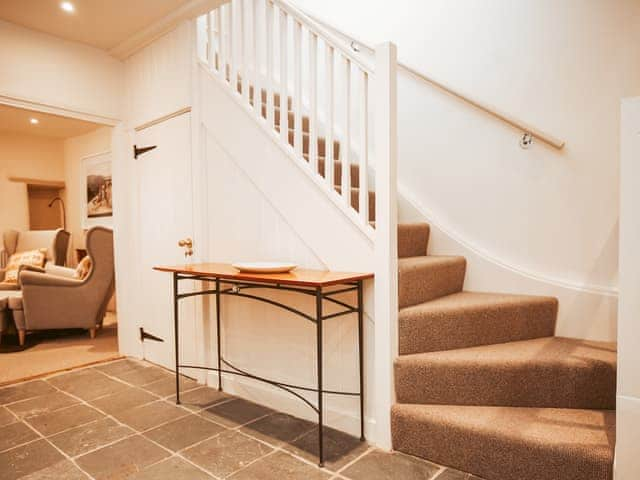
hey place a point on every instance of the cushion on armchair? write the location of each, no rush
(83, 268)
(34, 258)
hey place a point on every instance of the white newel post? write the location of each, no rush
(386, 247)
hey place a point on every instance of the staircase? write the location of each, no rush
(482, 384)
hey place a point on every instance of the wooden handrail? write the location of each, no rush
(320, 28)
(514, 122)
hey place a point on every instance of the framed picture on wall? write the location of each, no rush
(97, 200)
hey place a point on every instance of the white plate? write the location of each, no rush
(264, 267)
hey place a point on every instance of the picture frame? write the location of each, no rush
(96, 190)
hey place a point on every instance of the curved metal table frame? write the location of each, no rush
(238, 288)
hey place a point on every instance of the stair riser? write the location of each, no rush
(291, 117)
(418, 285)
(413, 240)
(337, 172)
(431, 332)
(525, 385)
(493, 457)
(321, 145)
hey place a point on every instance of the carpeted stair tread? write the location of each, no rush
(413, 239)
(425, 278)
(544, 372)
(509, 443)
(469, 319)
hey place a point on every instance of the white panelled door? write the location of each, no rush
(165, 216)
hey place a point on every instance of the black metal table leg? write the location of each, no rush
(218, 334)
(319, 360)
(176, 334)
(361, 355)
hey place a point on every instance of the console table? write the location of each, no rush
(323, 285)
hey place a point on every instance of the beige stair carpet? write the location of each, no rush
(484, 386)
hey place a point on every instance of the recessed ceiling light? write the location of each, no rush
(67, 7)
(34, 121)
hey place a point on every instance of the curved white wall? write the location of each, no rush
(560, 66)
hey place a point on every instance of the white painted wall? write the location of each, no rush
(75, 150)
(628, 405)
(539, 214)
(262, 206)
(26, 156)
(157, 78)
(47, 70)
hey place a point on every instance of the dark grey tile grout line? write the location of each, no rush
(171, 453)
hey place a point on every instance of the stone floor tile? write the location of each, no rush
(15, 434)
(278, 428)
(339, 447)
(27, 459)
(42, 404)
(121, 459)
(377, 465)
(173, 468)
(236, 412)
(226, 453)
(87, 384)
(64, 470)
(150, 415)
(143, 376)
(85, 438)
(167, 386)
(50, 423)
(121, 366)
(280, 466)
(6, 417)
(22, 391)
(184, 432)
(202, 397)
(123, 400)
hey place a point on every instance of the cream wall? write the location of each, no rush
(30, 157)
(560, 66)
(75, 149)
(47, 70)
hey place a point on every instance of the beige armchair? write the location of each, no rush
(55, 300)
(55, 241)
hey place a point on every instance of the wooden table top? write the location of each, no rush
(299, 276)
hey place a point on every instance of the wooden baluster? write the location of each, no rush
(313, 102)
(210, 48)
(297, 99)
(232, 43)
(269, 64)
(363, 199)
(345, 145)
(257, 98)
(218, 27)
(284, 67)
(328, 143)
(243, 70)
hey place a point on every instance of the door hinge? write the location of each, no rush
(147, 336)
(137, 151)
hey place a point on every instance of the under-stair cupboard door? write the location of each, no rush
(165, 216)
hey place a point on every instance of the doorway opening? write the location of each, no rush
(50, 167)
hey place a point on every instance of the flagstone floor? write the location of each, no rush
(119, 420)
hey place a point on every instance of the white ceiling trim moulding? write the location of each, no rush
(148, 35)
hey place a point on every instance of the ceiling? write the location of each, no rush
(18, 121)
(100, 23)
